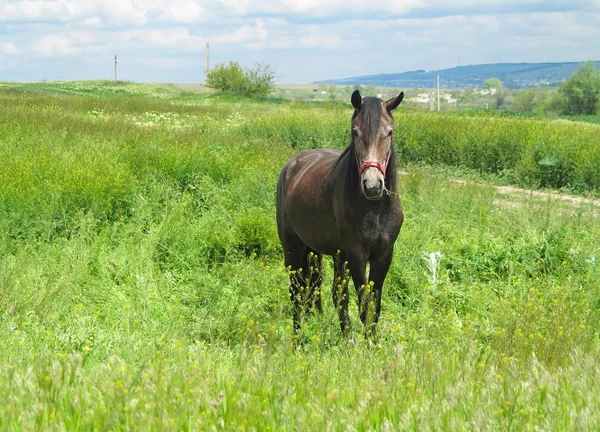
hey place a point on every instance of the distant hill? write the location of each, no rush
(513, 75)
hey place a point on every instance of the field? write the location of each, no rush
(142, 284)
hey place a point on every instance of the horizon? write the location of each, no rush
(313, 82)
(461, 66)
(304, 41)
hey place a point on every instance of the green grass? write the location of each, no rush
(142, 285)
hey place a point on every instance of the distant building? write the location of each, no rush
(422, 98)
(425, 98)
(484, 92)
(449, 99)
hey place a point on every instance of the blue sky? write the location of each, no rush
(304, 40)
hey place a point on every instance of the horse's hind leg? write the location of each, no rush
(308, 280)
(297, 263)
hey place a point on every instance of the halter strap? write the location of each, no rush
(380, 166)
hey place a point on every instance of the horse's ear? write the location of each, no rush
(393, 103)
(356, 100)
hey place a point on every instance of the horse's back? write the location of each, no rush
(307, 162)
(302, 192)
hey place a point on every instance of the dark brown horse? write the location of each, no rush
(343, 204)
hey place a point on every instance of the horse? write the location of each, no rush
(344, 204)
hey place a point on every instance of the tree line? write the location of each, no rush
(579, 95)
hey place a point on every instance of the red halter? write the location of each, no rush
(380, 166)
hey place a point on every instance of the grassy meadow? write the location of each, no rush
(142, 285)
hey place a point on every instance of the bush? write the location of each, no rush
(250, 82)
(525, 101)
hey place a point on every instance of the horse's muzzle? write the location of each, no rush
(372, 188)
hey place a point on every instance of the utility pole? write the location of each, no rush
(207, 64)
(437, 78)
(115, 67)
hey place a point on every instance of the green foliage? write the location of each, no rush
(257, 81)
(525, 101)
(492, 83)
(533, 100)
(142, 284)
(530, 152)
(581, 93)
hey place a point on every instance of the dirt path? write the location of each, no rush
(578, 200)
(512, 191)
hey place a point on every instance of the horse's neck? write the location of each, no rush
(392, 175)
(349, 173)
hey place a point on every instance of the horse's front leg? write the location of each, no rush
(377, 274)
(339, 291)
(357, 263)
(315, 274)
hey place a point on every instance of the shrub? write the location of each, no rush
(525, 101)
(250, 82)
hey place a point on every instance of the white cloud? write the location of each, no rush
(91, 22)
(132, 12)
(143, 12)
(322, 8)
(238, 7)
(324, 40)
(277, 22)
(32, 10)
(275, 44)
(244, 34)
(54, 46)
(182, 40)
(8, 48)
(65, 44)
(177, 37)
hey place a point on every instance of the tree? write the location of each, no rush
(492, 83)
(581, 92)
(233, 78)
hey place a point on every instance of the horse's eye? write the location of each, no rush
(390, 133)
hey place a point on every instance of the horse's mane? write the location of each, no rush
(344, 153)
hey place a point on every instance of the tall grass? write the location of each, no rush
(531, 152)
(142, 286)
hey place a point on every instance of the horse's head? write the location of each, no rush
(372, 136)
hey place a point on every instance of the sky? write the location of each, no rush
(303, 40)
